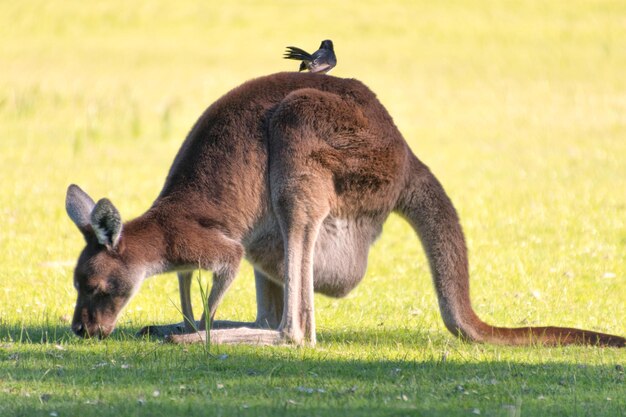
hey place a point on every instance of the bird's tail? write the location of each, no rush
(298, 54)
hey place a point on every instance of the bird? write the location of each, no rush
(320, 61)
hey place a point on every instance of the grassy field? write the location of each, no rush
(519, 107)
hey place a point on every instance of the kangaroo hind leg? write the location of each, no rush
(302, 196)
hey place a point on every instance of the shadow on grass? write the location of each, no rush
(382, 337)
(61, 333)
(130, 376)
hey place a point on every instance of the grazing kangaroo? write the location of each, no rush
(297, 173)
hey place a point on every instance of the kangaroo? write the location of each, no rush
(297, 173)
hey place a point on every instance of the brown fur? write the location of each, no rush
(296, 172)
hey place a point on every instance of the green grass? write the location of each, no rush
(519, 107)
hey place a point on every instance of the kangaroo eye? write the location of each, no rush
(90, 289)
(101, 291)
(101, 294)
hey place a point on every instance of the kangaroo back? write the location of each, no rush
(424, 203)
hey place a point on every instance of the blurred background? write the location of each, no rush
(519, 107)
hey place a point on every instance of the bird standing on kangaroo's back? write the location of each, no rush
(320, 61)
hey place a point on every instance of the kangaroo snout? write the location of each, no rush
(87, 332)
(79, 329)
(88, 324)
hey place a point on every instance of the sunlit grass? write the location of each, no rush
(519, 107)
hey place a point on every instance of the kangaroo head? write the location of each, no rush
(104, 277)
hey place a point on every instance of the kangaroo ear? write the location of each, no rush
(106, 223)
(79, 207)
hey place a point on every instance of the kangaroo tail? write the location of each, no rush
(424, 203)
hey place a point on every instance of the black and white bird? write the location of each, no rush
(320, 61)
